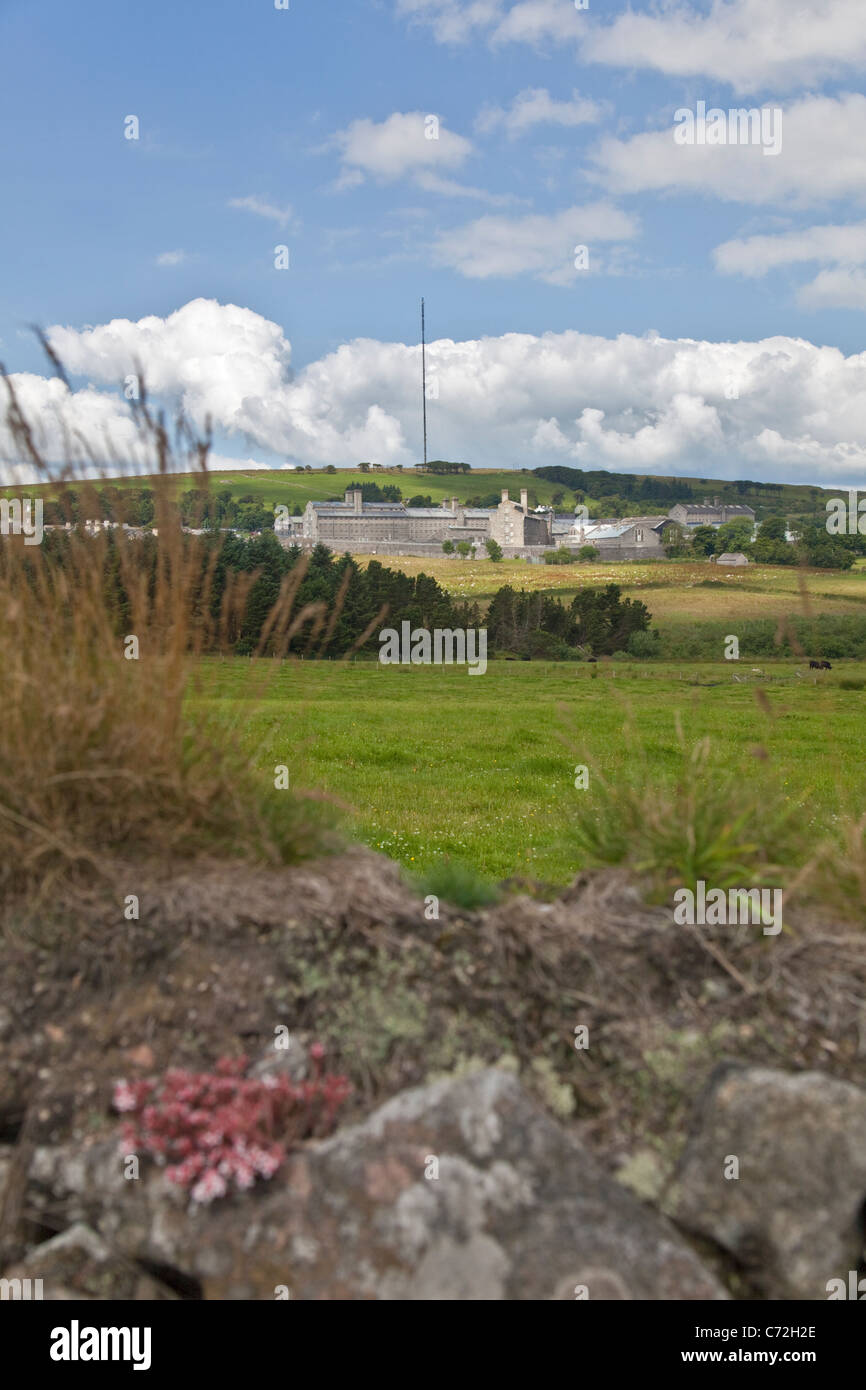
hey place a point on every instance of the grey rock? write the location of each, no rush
(793, 1217)
(519, 1211)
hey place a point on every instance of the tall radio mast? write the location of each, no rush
(424, 380)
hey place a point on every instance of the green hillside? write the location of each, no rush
(615, 493)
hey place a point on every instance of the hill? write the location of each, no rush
(610, 493)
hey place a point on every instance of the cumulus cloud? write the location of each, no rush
(822, 157)
(88, 429)
(407, 143)
(262, 208)
(780, 409)
(751, 44)
(543, 246)
(535, 106)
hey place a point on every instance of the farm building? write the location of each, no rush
(732, 557)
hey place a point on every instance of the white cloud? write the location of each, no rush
(221, 463)
(171, 258)
(839, 288)
(405, 144)
(751, 44)
(538, 245)
(532, 21)
(262, 208)
(88, 429)
(528, 21)
(450, 188)
(778, 409)
(755, 255)
(453, 21)
(841, 249)
(823, 156)
(535, 106)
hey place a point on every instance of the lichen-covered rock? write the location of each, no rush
(793, 1215)
(462, 1189)
(78, 1264)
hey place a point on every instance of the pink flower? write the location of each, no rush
(209, 1187)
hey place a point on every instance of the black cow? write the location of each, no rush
(825, 666)
(820, 666)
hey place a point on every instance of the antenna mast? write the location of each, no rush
(424, 380)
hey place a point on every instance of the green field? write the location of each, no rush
(436, 762)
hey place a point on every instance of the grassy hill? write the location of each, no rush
(647, 493)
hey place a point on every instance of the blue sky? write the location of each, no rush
(306, 128)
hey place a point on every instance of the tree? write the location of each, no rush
(588, 552)
(448, 547)
(330, 468)
(773, 529)
(733, 535)
(494, 549)
(463, 549)
(703, 540)
(364, 467)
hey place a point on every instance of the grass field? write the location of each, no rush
(436, 762)
(672, 590)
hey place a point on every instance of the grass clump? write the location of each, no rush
(457, 883)
(714, 822)
(100, 759)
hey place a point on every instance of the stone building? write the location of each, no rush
(689, 514)
(392, 527)
(514, 526)
(629, 538)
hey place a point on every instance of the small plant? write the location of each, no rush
(215, 1129)
(459, 884)
(714, 823)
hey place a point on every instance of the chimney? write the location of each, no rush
(359, 500)
(505, 494)
(453, 504)
(524, 495)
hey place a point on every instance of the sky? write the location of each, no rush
(244, 201)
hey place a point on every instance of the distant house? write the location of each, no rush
(732, 557)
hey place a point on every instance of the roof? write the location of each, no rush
(430, 511)
(732, 557)
(367, 508)
(606, 533)
(707, 509)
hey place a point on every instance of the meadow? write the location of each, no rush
(433, 762)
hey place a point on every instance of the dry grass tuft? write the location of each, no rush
(98, 757)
